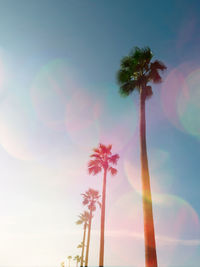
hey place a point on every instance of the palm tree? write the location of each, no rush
(77, 258)
(136, 72)
(69, 258)
(83, 219)
(102, 160)
(62, 264)
(90, 199)
(80, 245)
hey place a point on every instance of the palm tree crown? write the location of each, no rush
(102, 159)
(83, 218)
(137, 71)
(77, 258)
(80, 245)
(90, 198)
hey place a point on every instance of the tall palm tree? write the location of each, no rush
(102, 160)
(77, 258)
(137, 71)
(69, 259)
(90, 199)
(83, 219)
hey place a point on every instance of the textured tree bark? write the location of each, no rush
(101, 252)
(88, 240)
(83, 248)
(149, 235)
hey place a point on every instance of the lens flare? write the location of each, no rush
(126, 234)
(82, 112)
(15, 131)
(51, 90)
(189, 104)
(119, 118)
(133, 175)
(174, 84)
(177, 229)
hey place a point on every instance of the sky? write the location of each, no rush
(59, 99)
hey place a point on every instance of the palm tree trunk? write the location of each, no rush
(83, 247)
(101, 253)
(88, 240)
(149, 235)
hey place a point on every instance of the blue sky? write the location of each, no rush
(59, 98)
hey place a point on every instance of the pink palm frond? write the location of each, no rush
(113, 170)
(113, 159)
(94, 162)
(94, 170)
(96, 150)
(95, 155)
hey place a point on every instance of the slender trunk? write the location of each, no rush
(149, 235)
(83, 247)
(88, 239)
(76, 263)
(101, 253)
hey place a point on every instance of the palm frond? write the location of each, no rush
(123, 75)
(154, 75)
(113, 170)
(79, 222)
(113, 159)
(96, 150)
(85, 201)
(97, 156)
(94, 170)
(127, 88)
(108, 148)
(102, 148)
(94, 162)
(158, 65)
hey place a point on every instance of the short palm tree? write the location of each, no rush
(69, 259)
(90, 199)
(83, 219)
(77, 258)
(137, 71)
(103, 159)
(62, 264)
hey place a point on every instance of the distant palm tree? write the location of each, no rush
(83, 219)
(69, 259)
(77, 258)
(136, 72)
(80, 245)
(102, 160)
(62, 264)
(90, 199)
